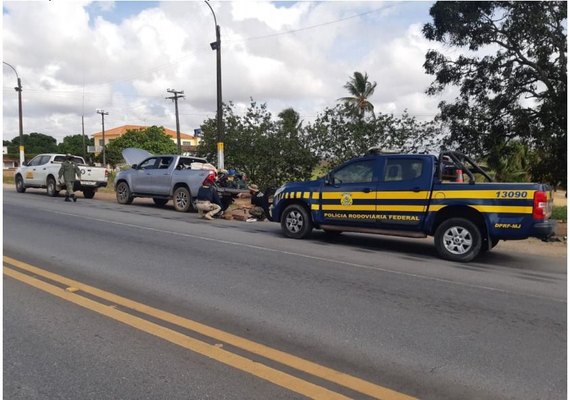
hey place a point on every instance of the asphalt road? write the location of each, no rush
(359, 316)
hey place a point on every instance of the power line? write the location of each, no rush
(307, 27)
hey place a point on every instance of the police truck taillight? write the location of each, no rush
(106, 173)
(541, 207)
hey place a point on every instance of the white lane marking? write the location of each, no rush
(328, 260)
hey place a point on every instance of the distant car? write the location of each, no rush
(162, 178)
(42, 172)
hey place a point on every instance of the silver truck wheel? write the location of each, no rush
(124, 193)
(182, 200)
(51, 187)
(458, 239)
(20, 188)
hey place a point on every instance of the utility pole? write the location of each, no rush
(176, 95)
(103, 113)
(217, 45)
(19, 90)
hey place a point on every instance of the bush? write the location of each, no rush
(559, 213)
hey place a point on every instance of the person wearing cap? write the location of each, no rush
(69, 170)
(208, 202)
(256, 211)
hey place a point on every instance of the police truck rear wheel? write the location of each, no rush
(458, 239)
(182, 200)
(296, 222)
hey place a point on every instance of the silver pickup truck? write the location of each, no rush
(162, 178)
(42, 172)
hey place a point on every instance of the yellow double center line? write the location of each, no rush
(72, 294)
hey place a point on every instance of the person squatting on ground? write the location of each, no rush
(69, 170)
(208, 202)
(256, 211)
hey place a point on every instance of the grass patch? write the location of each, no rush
(8, 179)
(560, 213)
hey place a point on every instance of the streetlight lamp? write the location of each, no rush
(19, 90)
(217, 45)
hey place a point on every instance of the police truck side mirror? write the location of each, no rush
(329, 179)
(134, 166)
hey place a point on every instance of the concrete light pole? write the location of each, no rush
(19, 90)
(103, 113)
(217, 45)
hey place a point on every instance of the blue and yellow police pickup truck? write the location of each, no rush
(448, 197)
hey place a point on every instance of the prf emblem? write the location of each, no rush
(346, 199)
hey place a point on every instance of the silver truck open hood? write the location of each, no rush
(133, 155)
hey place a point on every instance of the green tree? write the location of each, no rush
(152, 139)
(336, 136)
(268, 152)
(34, 143)
(361, 89)
(512, 81)
(73, 144)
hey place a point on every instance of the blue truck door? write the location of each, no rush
(404, 192)
(349, 194)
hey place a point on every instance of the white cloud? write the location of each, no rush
(61, 52)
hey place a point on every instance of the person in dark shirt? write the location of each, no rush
(208, 202)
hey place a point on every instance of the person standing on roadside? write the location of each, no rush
(69, 170)
(208, 202)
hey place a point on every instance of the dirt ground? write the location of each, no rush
(528, 246)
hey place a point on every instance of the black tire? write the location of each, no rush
(20, 188)
(182, 200)
(51, 187)
(124, 193)
(159, 202)
(296, 222)
(89, 193)
(458, 239)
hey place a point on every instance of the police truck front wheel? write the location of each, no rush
(458, 239)
(296, 222)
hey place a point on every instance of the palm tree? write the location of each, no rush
(360, 89)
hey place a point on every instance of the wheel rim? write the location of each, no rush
(181, 200)
(19, 183)
(457, 240)
(123, 192)
(51, 187)
(294, 221)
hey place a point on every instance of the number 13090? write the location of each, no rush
(512, 194)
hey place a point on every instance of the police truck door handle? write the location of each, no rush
(416, 189)
(366, 190)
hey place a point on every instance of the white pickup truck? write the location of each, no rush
(42, 172)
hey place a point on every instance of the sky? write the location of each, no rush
(77, 57)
